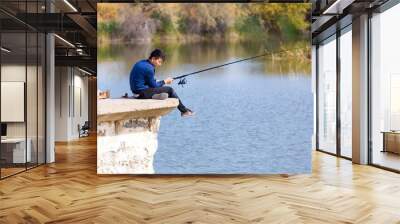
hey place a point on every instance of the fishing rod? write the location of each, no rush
(182, 78)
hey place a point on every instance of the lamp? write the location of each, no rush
(5, 50)
(64, 40)
(70, 5)
(337, 7)
(84, 71)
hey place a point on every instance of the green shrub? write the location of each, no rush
(109, 27)
(289, 31)
(166, 24)
(250, 26)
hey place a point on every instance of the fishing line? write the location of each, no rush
(182, 78)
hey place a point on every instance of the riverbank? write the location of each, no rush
(104, 40)
(296, 52)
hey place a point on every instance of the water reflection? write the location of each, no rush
(115, 61)
(252, 117)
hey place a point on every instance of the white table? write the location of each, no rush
(19, 155)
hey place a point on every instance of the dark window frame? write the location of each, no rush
(29, 29)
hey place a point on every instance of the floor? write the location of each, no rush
(5, 172)
(70, 191)
(387, 159)
(10, 171)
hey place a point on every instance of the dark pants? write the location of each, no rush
(149, 92)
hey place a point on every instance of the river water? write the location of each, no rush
(251, 117)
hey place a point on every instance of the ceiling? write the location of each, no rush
(75, 23)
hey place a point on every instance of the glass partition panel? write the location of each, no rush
(327, 95)
(14, 154)
(22, 64)
(31, 98)
(346, 92)
(385, 95)
(41, 98)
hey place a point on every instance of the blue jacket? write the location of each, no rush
(142, 77)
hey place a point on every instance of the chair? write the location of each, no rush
(84, 130)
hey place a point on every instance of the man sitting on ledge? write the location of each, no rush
(143, 83)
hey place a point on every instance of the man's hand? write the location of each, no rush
(168, 80)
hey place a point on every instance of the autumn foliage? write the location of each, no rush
(187, 21)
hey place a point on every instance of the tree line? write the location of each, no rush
(135, 22)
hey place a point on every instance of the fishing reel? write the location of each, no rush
(182, 82)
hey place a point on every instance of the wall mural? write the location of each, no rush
(195, 88)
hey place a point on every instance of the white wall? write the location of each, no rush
(80, 110)
(71, 102)
(33, 126)
(62, 81)
(12, 73)
(13, 101)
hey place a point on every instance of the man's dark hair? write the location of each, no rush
(157, 53)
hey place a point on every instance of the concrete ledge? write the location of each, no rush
(122, 109)
(127, 132)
